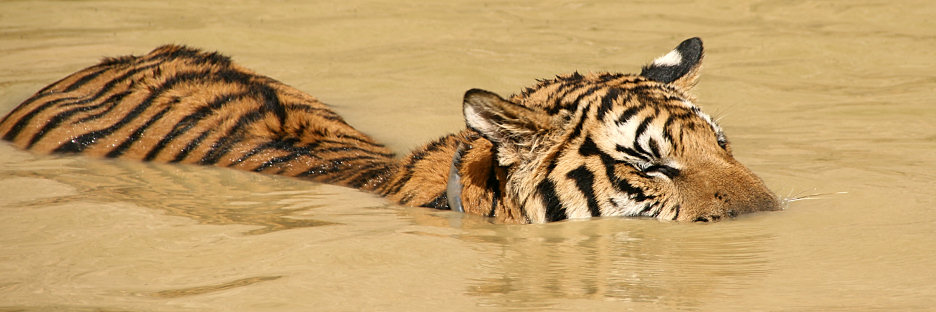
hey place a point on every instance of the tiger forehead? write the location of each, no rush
(627, 105)
(568, 92)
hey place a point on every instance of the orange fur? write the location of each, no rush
(576, 146)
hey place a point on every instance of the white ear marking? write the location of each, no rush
(474, 119)
(672, 58)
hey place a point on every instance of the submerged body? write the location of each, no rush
(576, 146)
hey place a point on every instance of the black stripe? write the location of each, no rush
(222, 146)
(355, 172)
(359, 176)
(605, 77)
(577, 131)
(81, 142)
(554, 209)
(564, 88)
(38, 95)
(111, 104)
(192, 56)
(192, 145)
(233, 136)
(588, 147)
(24, 120)
(190, 121)
(561, 92)
(590, 91)
(321, 112)
(641, 150)
(622, 185)
(113, 82)
(636, 193)
(337, 165)
(197, 56)
(411, 163)
(343, 138)
(83, 80)
(495, 198)
(647, 208)
(641, 128)
(492, 184)
(630, 152)
(71, 146)
(585, 180)
(286, 158)
(667, 129)
(352, 148)
(119, 60)
(368, 175)
(285, 144)
(58, 119)
(271, 102)
(628, 114)
(676, 216)
(254, 151)
(607, 102)
(42, 94)
(654, 147)
(137, 134)
(366, 141)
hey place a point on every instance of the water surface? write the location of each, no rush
(828, 98)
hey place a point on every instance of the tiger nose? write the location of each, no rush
(731, 202)
(719, 189)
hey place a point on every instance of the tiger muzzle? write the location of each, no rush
(725, 190)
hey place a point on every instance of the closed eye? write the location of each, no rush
(668, 171)
(722, 141)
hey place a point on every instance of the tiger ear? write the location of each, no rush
(511, 127)
(679, 67)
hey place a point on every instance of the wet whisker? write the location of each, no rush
(801, 196)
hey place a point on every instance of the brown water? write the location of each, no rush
(823, 97)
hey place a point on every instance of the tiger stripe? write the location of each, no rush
(178, 104)
(574, 146)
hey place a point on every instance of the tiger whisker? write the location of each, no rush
(798, 197)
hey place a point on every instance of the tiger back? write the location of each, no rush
(576, 146)
(178, 104)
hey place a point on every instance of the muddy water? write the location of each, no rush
(818, 98)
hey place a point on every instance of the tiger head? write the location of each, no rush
(605, 144)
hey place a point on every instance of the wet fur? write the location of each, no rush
(575, 146)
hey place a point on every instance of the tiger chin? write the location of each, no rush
(575, 146)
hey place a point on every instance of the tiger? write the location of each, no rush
(575, 146)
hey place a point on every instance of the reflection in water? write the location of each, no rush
(198, 290)
(534, 266)
(218, 197)
(59, 308)
(818, 97)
